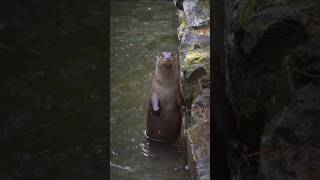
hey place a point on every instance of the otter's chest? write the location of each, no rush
(167, 97)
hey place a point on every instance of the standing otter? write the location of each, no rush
(164, 116)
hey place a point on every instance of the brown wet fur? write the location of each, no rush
(166, 85)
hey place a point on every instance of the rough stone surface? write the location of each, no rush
(196, 64)
(197, 13)
(292, 139)
(200, 109)
(273, 78)
(199, 150)
(194, 56)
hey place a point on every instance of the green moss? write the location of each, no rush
(247, 11)
(205, 5)
(182, 20)
(196, 57)
(264, 25)
(182, 26)
(183, 23)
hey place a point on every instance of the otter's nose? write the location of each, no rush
(167, 55)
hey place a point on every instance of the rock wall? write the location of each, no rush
(273, 78)
(194, 56)
(272, 71)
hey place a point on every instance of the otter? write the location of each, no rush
(164, 115)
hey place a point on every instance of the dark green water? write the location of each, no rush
(139, 29)
(53, 90)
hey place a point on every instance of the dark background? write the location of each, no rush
(53, 89)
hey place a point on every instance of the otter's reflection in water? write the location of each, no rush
(155, 150)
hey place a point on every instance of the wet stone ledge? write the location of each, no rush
(194, 56)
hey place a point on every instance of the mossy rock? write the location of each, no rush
(198, 56)
(195, 60)
(194, 67)
(190, 91)
(183, 26)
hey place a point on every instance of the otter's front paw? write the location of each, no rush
(157, 113)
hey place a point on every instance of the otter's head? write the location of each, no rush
(164, 59)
